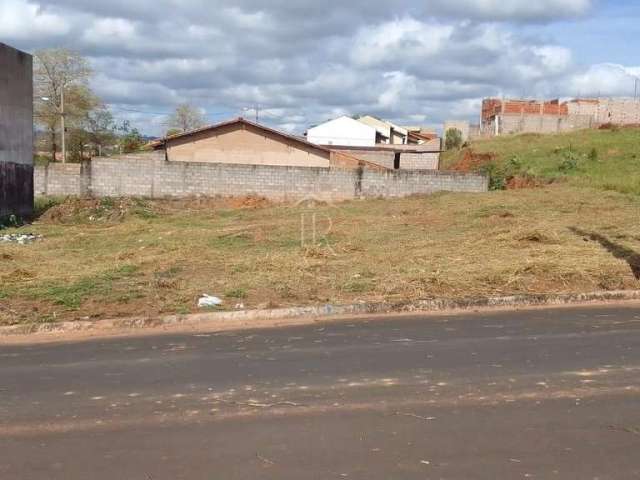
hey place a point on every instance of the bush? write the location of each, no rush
(453, 139)
(569, 162)
(497, 179)
(42, 204)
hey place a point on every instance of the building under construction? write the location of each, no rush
(500, 117)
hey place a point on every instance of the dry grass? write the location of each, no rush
(116, 258)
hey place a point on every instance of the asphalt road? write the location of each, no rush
(537, 394)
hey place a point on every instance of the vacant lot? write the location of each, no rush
(130, 257)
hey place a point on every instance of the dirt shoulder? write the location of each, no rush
(212, 325)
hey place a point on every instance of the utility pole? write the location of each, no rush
(64, 145)
(256, 109)
(635, 92)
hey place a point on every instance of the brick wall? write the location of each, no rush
(152, 176)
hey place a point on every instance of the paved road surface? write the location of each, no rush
(537, 394)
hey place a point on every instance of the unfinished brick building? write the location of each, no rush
(501, 117)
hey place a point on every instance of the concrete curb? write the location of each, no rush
(324, 311)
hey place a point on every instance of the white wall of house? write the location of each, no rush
(343, 131)
(393, 134)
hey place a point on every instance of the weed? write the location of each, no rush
(357, 285)
(231, 241)
(42, 204)
(107, 202)
(236, 293)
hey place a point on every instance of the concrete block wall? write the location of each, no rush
(410, 160)
(153, 176)
(399, 183)
(544, 124)
(619, 111)
(384, 158)
(61, 179)
(420, 161)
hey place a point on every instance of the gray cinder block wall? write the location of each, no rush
(16, 132)
(152, 176)
(409, 160)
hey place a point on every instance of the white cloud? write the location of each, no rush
(514, 9)
(306, 61)
(388, 41)
(555, 59)
(606, 79)
(110, 30)
(20, 19)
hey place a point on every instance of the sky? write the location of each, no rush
(301, 62)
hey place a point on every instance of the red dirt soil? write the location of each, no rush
(472, 161)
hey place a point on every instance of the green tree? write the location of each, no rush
(101, 129)
(453, 139)
(130, 139)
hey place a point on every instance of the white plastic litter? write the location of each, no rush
(20, 238)
(208, 301)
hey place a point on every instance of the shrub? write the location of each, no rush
(569, 162)
(453, 139)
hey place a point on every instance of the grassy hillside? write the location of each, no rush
(601, 159)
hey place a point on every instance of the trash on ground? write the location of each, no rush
(20, 238)
(209, 301)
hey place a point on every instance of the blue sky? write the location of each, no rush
(415, 62)
(609, 33)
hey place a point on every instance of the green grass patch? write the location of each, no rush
(73, 294)
(601, 159)
(236, 293)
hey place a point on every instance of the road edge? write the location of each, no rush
(314, 313)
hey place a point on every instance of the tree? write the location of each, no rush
(185, 118)
(63, 97)
(453, 139)
(100, 129)
(130, 139)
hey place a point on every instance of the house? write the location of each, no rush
(388, 133)
(16, 132)
(241, 141)
(344, 131)
(425, 156)
(419, 135)
(363, 131)
(380, 143)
